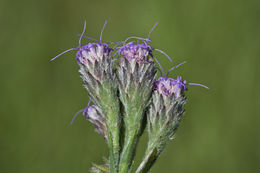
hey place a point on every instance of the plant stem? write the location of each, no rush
(110, 106)
(148, 161)
(113, 151)
(132, 134)
(154, 149)
(127, 154)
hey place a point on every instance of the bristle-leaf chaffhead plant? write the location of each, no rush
(120, 78)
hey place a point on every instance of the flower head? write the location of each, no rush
(93, 52)
(139, 52)
(168, 86)
(87, 110)
(94, 114)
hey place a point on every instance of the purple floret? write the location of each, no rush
(168, 86)
(92, 52)
(137, 51)
(88, 110)
(85, 112)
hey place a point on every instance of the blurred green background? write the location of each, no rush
(219, 39)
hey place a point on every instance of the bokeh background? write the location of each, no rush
(219, 39)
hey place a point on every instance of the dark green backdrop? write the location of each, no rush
(219, 39)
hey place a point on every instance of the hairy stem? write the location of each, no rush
(110, 106)
(132, 133)
(148, 161)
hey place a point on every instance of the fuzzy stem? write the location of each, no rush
(151, 155)
(113, 151)
(148, 161)
(113, 144)
(110, 106)
(133, 127)
(153, 151)
(128, 153)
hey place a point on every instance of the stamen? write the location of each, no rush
(138, 38)
(199, 85)
(102, 31)
(159, 65)
(117, 42)
(116, 45)
(87, 37)
(159, 70)
(124, 45)
(115, 54)
(175, 67)
(152, 31)
(75, 116)
(63, 53)
(158, 50)
(84, 29)
(90, 99)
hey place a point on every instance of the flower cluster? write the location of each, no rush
(138, 52)
(92, 52)
(127, 98)
(168, 86)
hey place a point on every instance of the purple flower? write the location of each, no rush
(94, 114)
(90, 112)
(92, 52)
(139, 52)
(85, 111)
(168, 86)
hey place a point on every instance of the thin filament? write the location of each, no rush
(88, 37)
(158, 50)
(159, 71)
(175, 67)
(84, 29)
(159, 65)
(124, 43)
(116, 45)
(138, 38)
(199, 85)
(89, 101)
(151, 31)
(75, 116)
(117, 42)
(102, 31)
(63, 53)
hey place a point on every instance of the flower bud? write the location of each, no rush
(95, 116)
(136, 75)
(93, 52)
(137, 52)
(96, 70)
(168, 87)
(165, 112)
(136, 72)
(99, 78)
